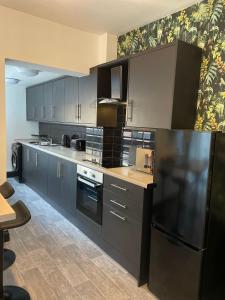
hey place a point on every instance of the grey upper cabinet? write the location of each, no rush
(88, 99)
(150, 90)
(34, 102)
(58, 100)
(47, 103)
(30, 104)
(71, 100)
(163, 87)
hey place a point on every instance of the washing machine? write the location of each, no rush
(17, 160)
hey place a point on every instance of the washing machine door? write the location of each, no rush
(14, 160)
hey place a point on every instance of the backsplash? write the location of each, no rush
(202, 24)
(108, 146)
(55, 131)
(133, 138)
(103, 146)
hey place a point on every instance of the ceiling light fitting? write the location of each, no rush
(12, 80)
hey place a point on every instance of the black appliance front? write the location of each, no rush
(175, 271)
(182, 175)
(89, 198)
(16, 160)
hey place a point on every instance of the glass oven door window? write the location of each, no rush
(89, 200)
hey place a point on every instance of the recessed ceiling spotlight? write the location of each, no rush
(12, 80)
(28, 72)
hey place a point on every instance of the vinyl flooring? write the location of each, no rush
(55, 260)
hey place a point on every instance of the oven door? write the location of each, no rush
(89, 198)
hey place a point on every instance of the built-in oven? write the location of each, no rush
(89, 193)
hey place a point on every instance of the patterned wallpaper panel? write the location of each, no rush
(202, 24)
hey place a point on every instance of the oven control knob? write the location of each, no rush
(85, 172)
(93, 175)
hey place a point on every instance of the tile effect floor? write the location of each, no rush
(55, 260)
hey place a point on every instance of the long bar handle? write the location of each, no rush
(87, 182)
(118, 187)
(118, 216)
(36, 159)
(118, 204)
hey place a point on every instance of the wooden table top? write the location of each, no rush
(6, 211)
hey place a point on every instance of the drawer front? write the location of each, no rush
(129, 206)
(122, 233)
(123, 188)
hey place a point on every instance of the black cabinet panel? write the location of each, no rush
(68, 186)
(123, 233)
(150, 90)
(174, 268)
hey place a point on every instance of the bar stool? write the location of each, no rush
(22, 217)
(7, 191)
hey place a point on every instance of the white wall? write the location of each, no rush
(16, 124)
(38, 41)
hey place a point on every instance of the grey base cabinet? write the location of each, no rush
(126, 224)
(62, 183)
(34, 169)
(125, 230)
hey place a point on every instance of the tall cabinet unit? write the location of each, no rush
(163, 87)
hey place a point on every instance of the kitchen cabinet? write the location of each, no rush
(71, 100)
(126, 224)
(34, 169)
(62, 183)
(34, 103)
(47, 101)
(58, 100)
(88, 99)
(163, 87)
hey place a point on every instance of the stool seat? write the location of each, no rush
(6, 190)
(22, 216)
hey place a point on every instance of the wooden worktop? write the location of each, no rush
(6, 211)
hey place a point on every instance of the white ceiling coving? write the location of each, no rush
(99, 16)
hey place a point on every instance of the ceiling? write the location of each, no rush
(13, 67)
(99, 16)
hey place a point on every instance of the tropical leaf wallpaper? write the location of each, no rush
(202, 24)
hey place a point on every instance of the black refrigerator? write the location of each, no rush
(187, 256)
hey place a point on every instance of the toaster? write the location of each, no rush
(78, 144)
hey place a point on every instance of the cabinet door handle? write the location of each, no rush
(53, 111)
(33, 113)
(57, 171)
(36, 159)
(28, 155)
(130, 110)
(118, 187)
(79, 111)
(118, 216)
(43, 112)
(118, 204)
(60, 170)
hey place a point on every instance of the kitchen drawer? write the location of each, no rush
(129, 206)
(123, 188)
(122, 233)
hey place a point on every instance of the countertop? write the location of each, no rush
(128, 174)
